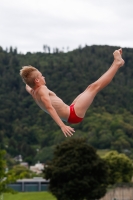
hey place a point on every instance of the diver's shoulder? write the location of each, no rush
(43, 89)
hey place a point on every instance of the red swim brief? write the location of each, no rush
(73, 118)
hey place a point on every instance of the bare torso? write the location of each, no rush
(61, 108)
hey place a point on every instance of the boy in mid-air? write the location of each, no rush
(54, 106)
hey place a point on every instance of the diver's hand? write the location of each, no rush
(67, 130)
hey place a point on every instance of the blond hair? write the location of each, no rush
(28, 75)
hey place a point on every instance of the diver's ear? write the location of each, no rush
(36, 80)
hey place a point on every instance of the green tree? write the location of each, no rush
(5, 177)
(21, 172)
(76, 172)
(120, 167)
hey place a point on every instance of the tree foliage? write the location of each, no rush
(76, 172)
(21, 172)
(5, 177)
(120, 167)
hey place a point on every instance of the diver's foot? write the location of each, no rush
(118, 57)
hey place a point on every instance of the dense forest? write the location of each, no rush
(26, 130)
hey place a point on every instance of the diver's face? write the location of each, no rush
(40, 78)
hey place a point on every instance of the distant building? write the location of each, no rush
(18, 158)
(37, 168)
(25, 164)
(30, 185)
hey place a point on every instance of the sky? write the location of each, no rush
(65, 24)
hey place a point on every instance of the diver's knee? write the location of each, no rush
(94, 87)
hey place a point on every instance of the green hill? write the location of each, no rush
(25, 128)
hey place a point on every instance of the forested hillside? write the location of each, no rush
(27, 130)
